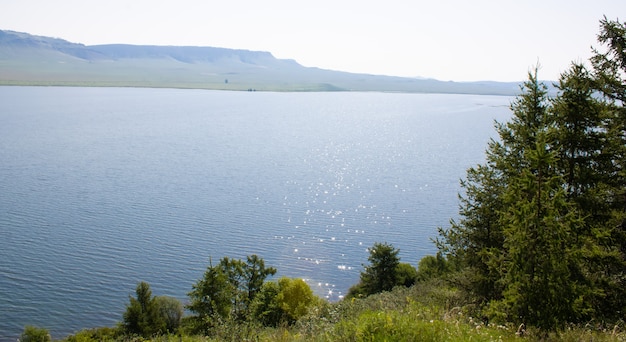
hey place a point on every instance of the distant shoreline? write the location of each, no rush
(29, 60)
(277, 89)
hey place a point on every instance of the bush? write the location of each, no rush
(265, 309)
(431, 267)
(170, 310)
(34, 334)
(294, 298)
(95, 335)
(283, 302)
(407, 274)
(147, 315)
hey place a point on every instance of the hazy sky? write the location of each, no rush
(444, 39)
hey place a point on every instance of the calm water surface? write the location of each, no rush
(101, 188)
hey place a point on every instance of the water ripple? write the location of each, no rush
(103, 188)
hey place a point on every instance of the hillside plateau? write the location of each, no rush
(27, 59)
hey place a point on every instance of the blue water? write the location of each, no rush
(101, 188)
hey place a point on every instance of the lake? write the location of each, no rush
(101, 188)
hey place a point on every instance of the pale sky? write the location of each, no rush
(443, 39)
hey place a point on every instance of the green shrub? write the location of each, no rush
(407, 274)
(294, 298)
(35, 334)
(431, 267)
(265, 309)
(104, 334)
(170, 310)
(283, 302)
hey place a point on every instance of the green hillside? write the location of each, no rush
(34, 60)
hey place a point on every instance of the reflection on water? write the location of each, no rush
(103, 188)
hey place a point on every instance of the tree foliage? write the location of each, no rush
(227, 290)
(35, 334)
(406, 274)
(147, 316)
(265, 308)
(141, 315)
(538, 246)
(541, 234)
(431, 267)
(294, 298)
(384, 272)
(170, 311)
(283, 302)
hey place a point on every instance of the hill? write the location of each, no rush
(36, 60)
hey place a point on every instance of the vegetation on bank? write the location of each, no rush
(428, 311)
(539, 251)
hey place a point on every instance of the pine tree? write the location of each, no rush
(382, 274)
(475, 243)
(578, 135)
(517, 238)
(542, 234)
(211, 298)
(142, 316)
(539, 247)
(227, 290)
(609, 76)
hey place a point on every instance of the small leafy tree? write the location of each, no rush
(170, 311)
(284, 301)
(255, 273)
(294, 298)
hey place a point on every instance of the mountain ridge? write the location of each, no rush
(27, 59)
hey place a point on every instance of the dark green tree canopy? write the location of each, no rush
(146, 315)
(227, 290)
(383, 273)
(541, 235)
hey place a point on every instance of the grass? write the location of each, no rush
(164, 73)
(150, 74)
(426, 312)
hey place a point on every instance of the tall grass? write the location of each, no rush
(429, 311)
